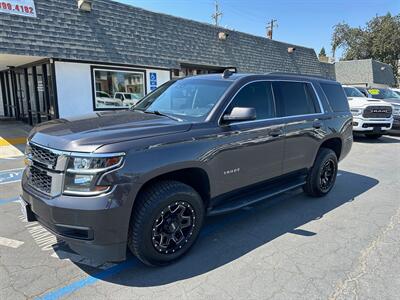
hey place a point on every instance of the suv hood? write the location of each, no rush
(362, 102)
(89, 132)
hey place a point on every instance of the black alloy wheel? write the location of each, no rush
(174, 227)
(166, 220)
(328, 172)
(322, 175)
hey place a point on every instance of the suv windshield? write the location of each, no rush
(352, 92)
(382, 93)
(189, 99)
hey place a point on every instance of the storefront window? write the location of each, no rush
(117, 89)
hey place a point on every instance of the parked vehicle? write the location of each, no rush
(104, 100)
(146, 178)
(373, 117)
(397, 91)
(128, 99)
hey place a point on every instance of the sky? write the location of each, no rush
(301, 22)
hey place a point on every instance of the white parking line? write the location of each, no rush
(10, 170)
(10, 243)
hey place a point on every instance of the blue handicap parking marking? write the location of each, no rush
(153, 81)
(153, 77)
(10, 175)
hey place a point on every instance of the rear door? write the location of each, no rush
(298, 104)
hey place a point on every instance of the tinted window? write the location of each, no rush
(382, 93)
(336, 96)
(352, 92)
(295, 98)
(257, 95)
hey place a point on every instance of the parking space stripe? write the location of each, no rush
(12, 141)
(70, 288)
(8, 200)
(10, 243)
(10, 176)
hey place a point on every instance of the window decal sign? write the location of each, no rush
(18, 7)
(153, 81)
(374, 91)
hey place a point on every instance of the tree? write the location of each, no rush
(379, 40)
(322, 53)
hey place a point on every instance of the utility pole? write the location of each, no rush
(217, 14)
(270, 28)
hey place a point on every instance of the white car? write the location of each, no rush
(104, 100)
(397, 91)
(373, 117)
(128, 99)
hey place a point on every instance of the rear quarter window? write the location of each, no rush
(336, 97)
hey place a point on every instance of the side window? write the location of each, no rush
(295, 98)
(257, 95)
(336, 96)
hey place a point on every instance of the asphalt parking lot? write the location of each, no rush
(343, 246)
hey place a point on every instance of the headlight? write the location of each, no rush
(396, 110)
(83, 174)
(356, 111)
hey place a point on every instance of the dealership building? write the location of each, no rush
(62, 58)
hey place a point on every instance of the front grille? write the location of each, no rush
(39, 180)
(43, 155)
(377, 112)
(366, 125)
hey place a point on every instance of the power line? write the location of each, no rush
(270, 28)
(217, 14)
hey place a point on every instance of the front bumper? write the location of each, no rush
(371, 125)
(396, 122)
(94, 227)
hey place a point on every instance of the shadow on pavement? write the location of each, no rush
(386, 139)
(229, 237)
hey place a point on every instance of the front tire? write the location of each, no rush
(322, 176)
(166, 220)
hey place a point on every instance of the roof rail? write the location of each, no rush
(228, 72)
(297, 74)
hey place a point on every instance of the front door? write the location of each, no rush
(252, 151)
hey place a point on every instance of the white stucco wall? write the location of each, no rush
(74, 86)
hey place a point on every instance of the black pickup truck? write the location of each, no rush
(144, 179)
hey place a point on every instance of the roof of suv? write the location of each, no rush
(273, 75)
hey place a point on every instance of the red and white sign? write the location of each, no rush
(18, 7)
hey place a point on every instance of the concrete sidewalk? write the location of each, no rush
(12, 138)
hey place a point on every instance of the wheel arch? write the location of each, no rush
(333, 143)
(194, 175)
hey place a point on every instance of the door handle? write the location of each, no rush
(317, 124)
(276, 132)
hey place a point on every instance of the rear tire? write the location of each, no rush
(322, 176)
(373, 136)
(166, 220)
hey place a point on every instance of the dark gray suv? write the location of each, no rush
(146, 178)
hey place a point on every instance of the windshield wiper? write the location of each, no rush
(158, 113)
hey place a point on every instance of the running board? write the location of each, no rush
(247, 199)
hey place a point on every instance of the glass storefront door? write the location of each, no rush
(28, 93)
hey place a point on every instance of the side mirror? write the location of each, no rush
(240, 114)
